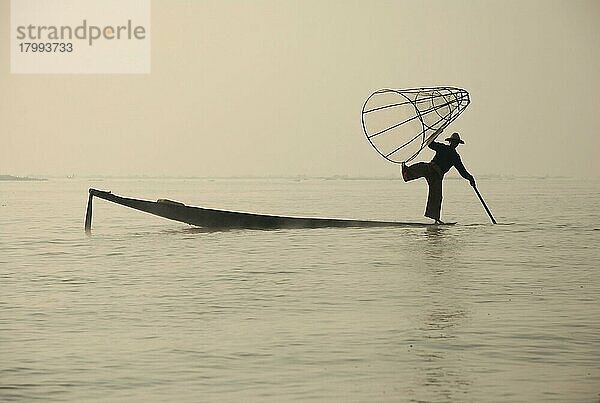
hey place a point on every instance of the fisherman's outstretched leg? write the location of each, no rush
(418, 170)
(434, 198)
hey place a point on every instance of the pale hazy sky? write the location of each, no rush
(276, 88)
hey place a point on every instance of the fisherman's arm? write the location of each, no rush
(435, 146)
(432, 144)
(463, 171)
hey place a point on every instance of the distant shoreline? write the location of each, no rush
(19, 178)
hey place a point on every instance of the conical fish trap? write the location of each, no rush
(398, 123)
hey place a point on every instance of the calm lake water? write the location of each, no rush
(147, 309)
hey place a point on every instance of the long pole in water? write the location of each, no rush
(484, 205)
(88, 214)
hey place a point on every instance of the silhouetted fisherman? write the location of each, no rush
(445, 158)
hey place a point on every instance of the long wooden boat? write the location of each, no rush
(222, 219)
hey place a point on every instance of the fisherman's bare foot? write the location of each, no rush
(404, 173)
(439, 222)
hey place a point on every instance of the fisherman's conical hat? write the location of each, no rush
(455, 137)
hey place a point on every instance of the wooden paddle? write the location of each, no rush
(484, 205)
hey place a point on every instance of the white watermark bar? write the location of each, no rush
(80, 36)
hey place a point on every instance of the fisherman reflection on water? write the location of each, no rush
(445, 158)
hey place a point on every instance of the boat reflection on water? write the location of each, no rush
(440, 372)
